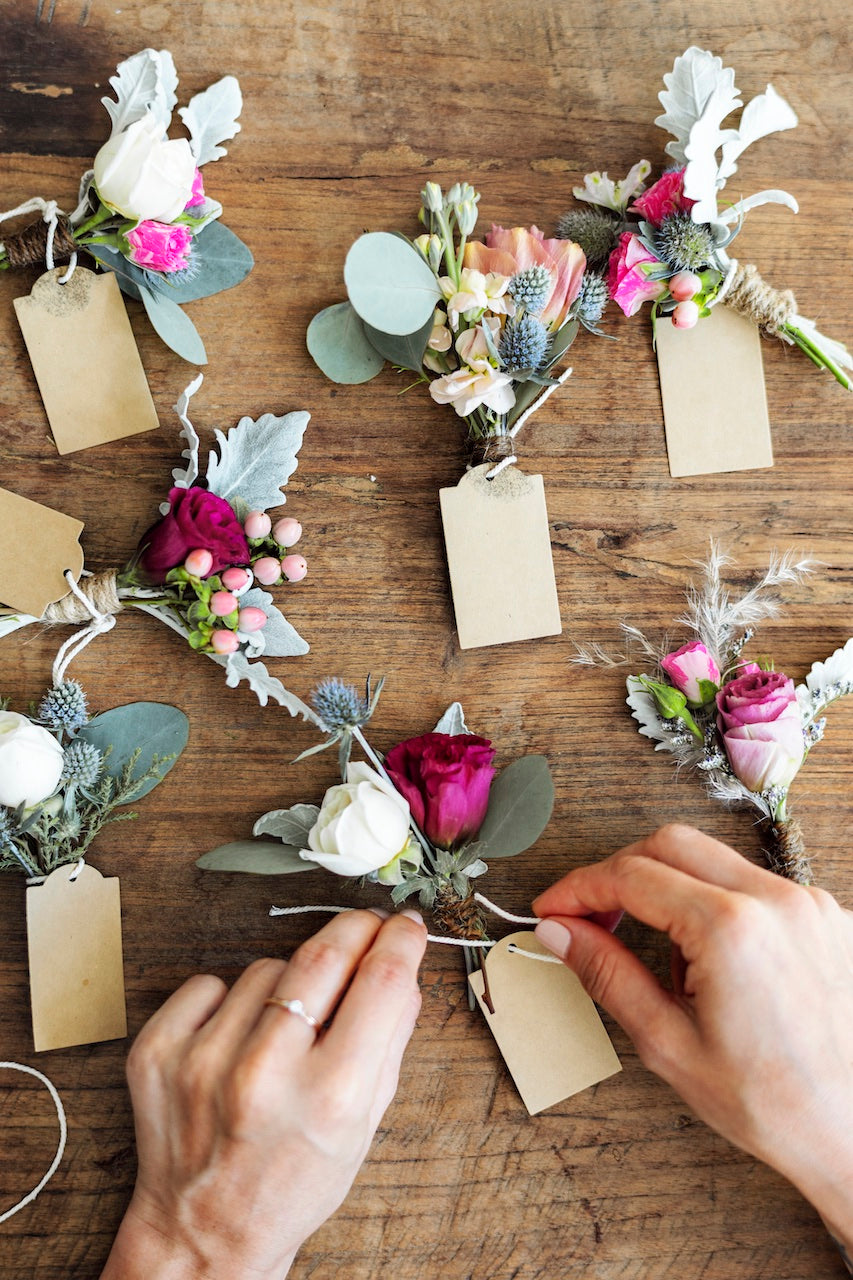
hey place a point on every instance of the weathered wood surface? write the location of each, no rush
(349, 108)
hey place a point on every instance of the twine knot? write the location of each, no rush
(492, 449)
(28, 248)
(771, 309)
(99, 596)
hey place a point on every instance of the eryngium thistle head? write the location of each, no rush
(592, 299)
(524, 344)
(338, 705)
(531, 288)
(594, 230)
(685, 245)
(7, 826)
(64, 707)
(82, 764)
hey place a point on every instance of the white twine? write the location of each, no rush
(537, 403)
(76, 643)
(63, 1135)
(74, 874)
(499, 466)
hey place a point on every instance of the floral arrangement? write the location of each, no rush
(203, 566)
(142, 210)
(668, 245)
(424, 819)
(483, 322)
(745, 726)
(63, 773)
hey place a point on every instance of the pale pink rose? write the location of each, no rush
(762, 729)
(197, 195)
(687, 666)
(629, 286)
(664, 198)
(160, 247)
(509, 251)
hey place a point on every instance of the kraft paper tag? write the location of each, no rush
(37, 545)
(713, 393)
(499, 556)
(76, 970)
(85, 359)
(546, 1026)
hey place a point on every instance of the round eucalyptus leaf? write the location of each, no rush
(339, 346)
(389, 283)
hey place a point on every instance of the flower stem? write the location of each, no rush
(102, 214)
(383, 772)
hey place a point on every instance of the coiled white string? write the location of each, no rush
(49, 211)
(75, 644)
(63, 1135)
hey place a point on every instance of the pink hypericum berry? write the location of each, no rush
(684, 286)
(222, 603)
(251, 619)
(267, 570)
(224, 642)
(294, 568)
(685, 315)
(287, 531)
(235, 579)
(257, 524)
(199, 562)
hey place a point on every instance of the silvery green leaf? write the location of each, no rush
(389, 283)
(220, 261)
(700, 175)
(259, 857)
(153, 728)
(338, 344)
(476, 868)
(521, 801)
(256, 459)
(10, 622)
(177, 330)
(453, 721)
(766, 113)
(406, 350)
(145, 82)
(237, 668)
(695, 75)
(290, 825)
(281, 640)
(211, 117)
(825, 682)
(645, 712)
(185, 477)
(772, 196)
(466, 856)
(459, 880)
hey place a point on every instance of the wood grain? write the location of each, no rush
(349, 108)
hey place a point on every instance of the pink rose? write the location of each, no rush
(446, 780)
(689, 665)
(160, 247)
(197, 520)
(760, 723)
(664, 198)
(507, 252)
(197, 195)
(629, 286)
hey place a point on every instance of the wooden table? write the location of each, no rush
(349, 108)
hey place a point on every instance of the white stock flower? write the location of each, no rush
(143, 174)
(30, 761)
(363, 824)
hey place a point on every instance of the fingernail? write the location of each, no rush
(380, 911)
(412, 914)
(554, 936)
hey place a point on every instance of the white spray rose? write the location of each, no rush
(30, 761)
(363, 824)
(144, 175)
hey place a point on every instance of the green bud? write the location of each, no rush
(466, 216)
(672, 704)
(432, 198)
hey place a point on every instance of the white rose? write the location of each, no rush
(144, 175)
(30, 761)
(363, 824)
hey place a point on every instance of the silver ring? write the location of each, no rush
(296, 1007)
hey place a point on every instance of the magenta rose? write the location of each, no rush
(762, 730)
(689, 665)
(160, 247)
(197, 520)
(197, 195)
(663, 198)
(446, 780)
(629, 286)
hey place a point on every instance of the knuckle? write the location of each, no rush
(245, 1093)
(389, 972)
(740, 921)
(672, 835)
(320, 957)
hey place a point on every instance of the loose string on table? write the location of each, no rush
(75, 644)
(63, 1135)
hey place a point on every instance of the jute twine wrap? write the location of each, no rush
(786, 851)
(460, 917)
(490, 449)
(771, 309)
(27, 248)
(101, 589)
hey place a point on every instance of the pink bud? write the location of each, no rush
(294, 568)
(251, 619)
(235, 579)
(685, 315)
(684, 285)
(199, 563)
(267, 570)
(222, 603)
(224, 642)
(287, 531)
(257, 524)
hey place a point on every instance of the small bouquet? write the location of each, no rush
(745, 726)
(674, 252)
(202, 567)
(142, 210)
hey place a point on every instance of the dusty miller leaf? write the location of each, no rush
(147, 81)
(694, 77)
(645, 712)
(211, 117)
(238, 668)
(281, 640)
(289, 825)
(453, 721)
(766, 113)
(186, 476)
(825, 682)
(256, 459)
(700, 175)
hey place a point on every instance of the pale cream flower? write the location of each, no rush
(478, 292)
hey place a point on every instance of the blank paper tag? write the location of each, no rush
(499, 556)
(76, 971)
(37, 545)
(85, 359)
(713, 393)
(546, 1026)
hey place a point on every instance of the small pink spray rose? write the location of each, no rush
(160, 247)
(761, 727)
(197, 195)
(628, 283)
(689, 667)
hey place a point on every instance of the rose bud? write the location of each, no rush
(30, 761)
(199, 563)
(196, 518)
(257, 524)
(363, 824)
(762, 730)
(685, 315)
(222, 603)
(287, 531)
(224, 642)
(294, 568)
(251, 619)
(446, 780)
(684, 285)
(235, 579)
(692, 670)
(267, 570)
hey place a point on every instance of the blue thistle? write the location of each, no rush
(338, 705)
(64, 707)
(595, 231)
(531, 288)
(684, 244)
(524, 344)
(592, 299)
(82, 764)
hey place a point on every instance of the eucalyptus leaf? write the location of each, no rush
(389, 284)
(256, 459)
(405, 350)
(289, 825)
(155, 728)
(520, 805)
(131, 279)
(259, 857)
(220, 260)
(177, 330)
(339, 345)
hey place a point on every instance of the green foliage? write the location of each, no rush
(259, 857)
(152, 734)
(389, 283)
(340, 347)
(176, 329)
(520, 806)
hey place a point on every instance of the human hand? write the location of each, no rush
(250, 1126)
(757, 1033)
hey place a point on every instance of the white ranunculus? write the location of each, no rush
(144, 175)
(30, 761)
(363, 824)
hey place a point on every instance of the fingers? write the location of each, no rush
(187, 1009)
(241, 1009)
